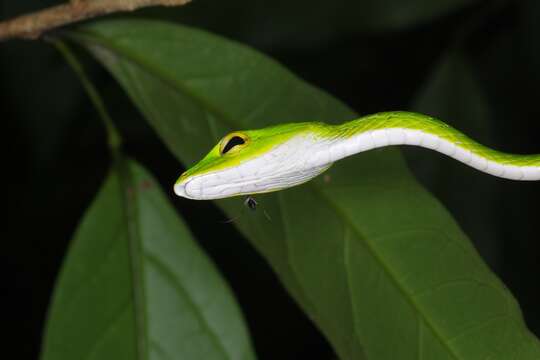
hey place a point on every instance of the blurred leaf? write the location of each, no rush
(135, 285)
(372, 258)
(453, 93)
(506, 58)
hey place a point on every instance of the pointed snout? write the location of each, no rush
(180, 189)
(180, 186)
(190, 187)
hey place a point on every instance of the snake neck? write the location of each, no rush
(405, 128)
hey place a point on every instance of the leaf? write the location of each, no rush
(373, 259)
(135, 285)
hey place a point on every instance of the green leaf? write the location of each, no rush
(373, 259)
(135, 285)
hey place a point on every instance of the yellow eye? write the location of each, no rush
(232, 143)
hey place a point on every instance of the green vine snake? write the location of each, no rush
(282, 156)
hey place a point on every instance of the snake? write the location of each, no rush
(286, 155)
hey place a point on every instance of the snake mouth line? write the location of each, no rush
(182, 188)
(245, 185)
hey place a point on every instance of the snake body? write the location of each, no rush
(282, 156)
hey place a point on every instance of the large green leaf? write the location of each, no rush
(135, 285)
(374, 260)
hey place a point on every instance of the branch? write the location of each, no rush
(33, 25)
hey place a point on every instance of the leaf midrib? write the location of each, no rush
(129, 206)
(385, 267)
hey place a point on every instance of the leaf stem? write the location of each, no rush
(130, 203)
(114, 139)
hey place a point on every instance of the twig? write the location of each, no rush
(31, 26)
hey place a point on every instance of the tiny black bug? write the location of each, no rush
(251, 203)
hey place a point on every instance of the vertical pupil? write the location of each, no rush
(235, 140)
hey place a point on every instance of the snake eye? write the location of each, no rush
(231, 142)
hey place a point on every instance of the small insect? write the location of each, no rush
(251, 203)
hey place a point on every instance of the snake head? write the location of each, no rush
(253, 161)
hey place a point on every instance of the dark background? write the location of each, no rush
(475, 65)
